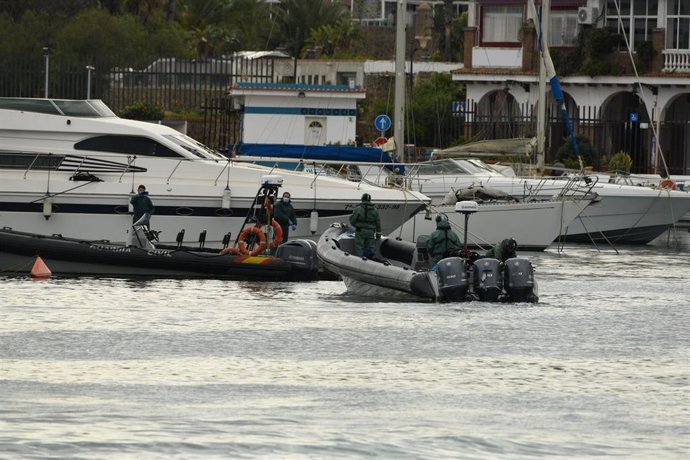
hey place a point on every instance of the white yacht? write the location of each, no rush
(70, 167)
(623, 214)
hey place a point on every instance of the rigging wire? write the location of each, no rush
(639, 84)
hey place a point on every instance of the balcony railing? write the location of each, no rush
(676, 61)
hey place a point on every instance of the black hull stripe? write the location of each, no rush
(122, 209)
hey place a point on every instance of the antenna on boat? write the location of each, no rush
(467, 208)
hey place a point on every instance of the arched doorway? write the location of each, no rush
(675, 136)
(626, 127)
(498, 116)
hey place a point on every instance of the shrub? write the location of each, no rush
(620, 163)
(142, 111)
(585, 148)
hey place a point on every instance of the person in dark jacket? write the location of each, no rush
(365, 218)
(142, 206)
(503, 251)
(442, 241)
(284, 214)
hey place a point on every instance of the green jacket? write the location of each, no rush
(142, 204)
(443, 239)
(500, 252)
(283, 213)
(365, 218)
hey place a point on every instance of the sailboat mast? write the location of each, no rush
(554, 82)
(541, 100)
(399, 115)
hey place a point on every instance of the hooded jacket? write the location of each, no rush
(443, 239)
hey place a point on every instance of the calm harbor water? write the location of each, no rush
(120, 369)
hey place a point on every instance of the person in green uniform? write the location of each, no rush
(284, 214)
(142, 206)
(367, 223)
(503, 251)
(442, 241)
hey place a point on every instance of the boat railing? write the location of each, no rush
(570, 187)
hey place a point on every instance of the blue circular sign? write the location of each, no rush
(382, 122)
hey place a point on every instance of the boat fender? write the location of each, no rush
(314, 221)
(277, 235)
(262, 241)
(47, 207)
(226, 198)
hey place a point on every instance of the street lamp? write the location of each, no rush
(89, 69)
(46, 59)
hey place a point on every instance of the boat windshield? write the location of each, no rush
(195, 147)
(94, 108)
(478, 167)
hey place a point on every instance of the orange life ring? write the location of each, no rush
(667, 184)
(262, 241)
(278, 235)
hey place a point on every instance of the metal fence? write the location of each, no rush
(174, 84)
(607, 136)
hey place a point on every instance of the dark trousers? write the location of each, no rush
(286, 231)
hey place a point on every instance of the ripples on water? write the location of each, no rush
(109, 368)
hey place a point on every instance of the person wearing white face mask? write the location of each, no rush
(284, 214)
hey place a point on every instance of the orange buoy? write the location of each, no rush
(262, 241)
(40, 269)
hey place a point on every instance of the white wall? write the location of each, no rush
(290, 128)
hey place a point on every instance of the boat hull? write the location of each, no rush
(368, 277)
(534, 225)
(68, 256)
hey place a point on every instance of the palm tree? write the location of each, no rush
(298, 18)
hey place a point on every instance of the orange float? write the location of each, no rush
(262, 241)
(667, 184)
(278, 235)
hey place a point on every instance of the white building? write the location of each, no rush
(297, 113)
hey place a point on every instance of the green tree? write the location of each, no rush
(64, 8)
(251, 24)
(298, 18)
(96, 38)
(27, 36)
(430, 108)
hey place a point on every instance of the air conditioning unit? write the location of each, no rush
(587, 15)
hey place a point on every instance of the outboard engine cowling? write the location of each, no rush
(301, 254)
(518, 280)
(452, 279)
(486, 279)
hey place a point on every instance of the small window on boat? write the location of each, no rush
(29, 161)
(132, 145)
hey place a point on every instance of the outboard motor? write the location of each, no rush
(301, 254)
(518, 280)
(452, 279)
(486, 279)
